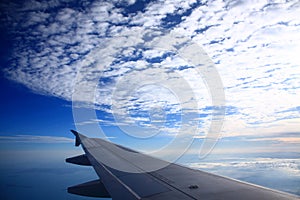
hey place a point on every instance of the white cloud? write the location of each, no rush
(255, 47)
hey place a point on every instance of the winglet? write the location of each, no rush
(77, 140)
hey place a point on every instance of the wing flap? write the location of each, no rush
(90, 189)
(79, 160)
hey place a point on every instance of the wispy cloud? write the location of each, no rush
(291, 140)
(35, 139)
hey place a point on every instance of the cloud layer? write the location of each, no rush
(254, 45)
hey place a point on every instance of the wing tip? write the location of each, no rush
(74, 132)
(77, 138)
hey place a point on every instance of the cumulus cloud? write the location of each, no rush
(100, 44)
(258, 46)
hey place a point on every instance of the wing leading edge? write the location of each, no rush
(125, 175)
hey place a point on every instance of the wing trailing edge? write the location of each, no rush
(90, 189)
(79, 160)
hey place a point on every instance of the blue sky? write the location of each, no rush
(156, 76)
(24, 112)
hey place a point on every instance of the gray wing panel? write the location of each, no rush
(132, 182)
(125, 174)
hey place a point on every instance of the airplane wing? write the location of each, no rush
(125, 175)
